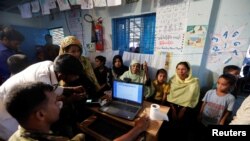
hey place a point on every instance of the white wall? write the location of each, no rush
(229, 13)
(215, 13)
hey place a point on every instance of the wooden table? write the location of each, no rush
(151, 132)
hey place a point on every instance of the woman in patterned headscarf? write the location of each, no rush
(73, 46)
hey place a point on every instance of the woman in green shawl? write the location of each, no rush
(138, 75)
(184, 92)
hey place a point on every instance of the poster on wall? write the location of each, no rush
(44, 7)
(226, 48)
(74, 24)
(195, 38)
(171, 23)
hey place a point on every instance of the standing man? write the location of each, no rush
(10, 41)
(50, 50)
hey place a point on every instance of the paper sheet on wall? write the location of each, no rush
(35, 6)
(87, 4)
(100, 3)
(51, 4)
(44, 7)
(171, 23)
(74, 2)
(73, 18)
(74, 23)
(63, 5)
(226, 48)
(114, 2)
(25, 10)
(195, 38)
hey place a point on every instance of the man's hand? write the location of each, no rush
(142, 123)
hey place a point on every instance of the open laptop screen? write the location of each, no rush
(128, 91)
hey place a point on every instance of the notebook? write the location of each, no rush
(127, 100)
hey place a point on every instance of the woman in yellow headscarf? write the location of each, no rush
(73, 46)
(184, 92)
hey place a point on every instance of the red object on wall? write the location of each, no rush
(99, 35)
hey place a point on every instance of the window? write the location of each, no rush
(134, 33)
(57, 35)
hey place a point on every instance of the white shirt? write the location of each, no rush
(243, 114)
(43, 72)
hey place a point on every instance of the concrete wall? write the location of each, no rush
(216, 13)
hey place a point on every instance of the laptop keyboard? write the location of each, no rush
(124, 107)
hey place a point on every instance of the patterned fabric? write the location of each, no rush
(87, 67)
(69, 40)
(24, 135)
(160, 90)
(88, 70)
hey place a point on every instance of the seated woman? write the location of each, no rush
(184, 93)
(118, 67)
(138, 75)
(102, 74)
(73, 46)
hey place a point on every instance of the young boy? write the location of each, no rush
(218, 103)
(230, 69)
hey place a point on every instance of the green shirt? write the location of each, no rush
(24, 135)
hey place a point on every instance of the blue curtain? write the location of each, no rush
(121, 32)
(148, 34)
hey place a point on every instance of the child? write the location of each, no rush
(218, 103)
(230, 69)
(102, 74)
(161, 87)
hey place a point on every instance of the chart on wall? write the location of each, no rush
(74, 24)
(195, 38)
(227, 47)
(171, 23)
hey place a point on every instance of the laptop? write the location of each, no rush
(127, 100)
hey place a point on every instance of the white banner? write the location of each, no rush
(171, 23)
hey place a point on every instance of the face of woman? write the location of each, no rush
(135, 68)
(74, 50)
(118, 63)
(182, 71)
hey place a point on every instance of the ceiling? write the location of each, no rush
(11, 5)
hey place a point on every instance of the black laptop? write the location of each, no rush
(127, 100)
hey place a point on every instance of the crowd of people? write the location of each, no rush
(31, 95)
